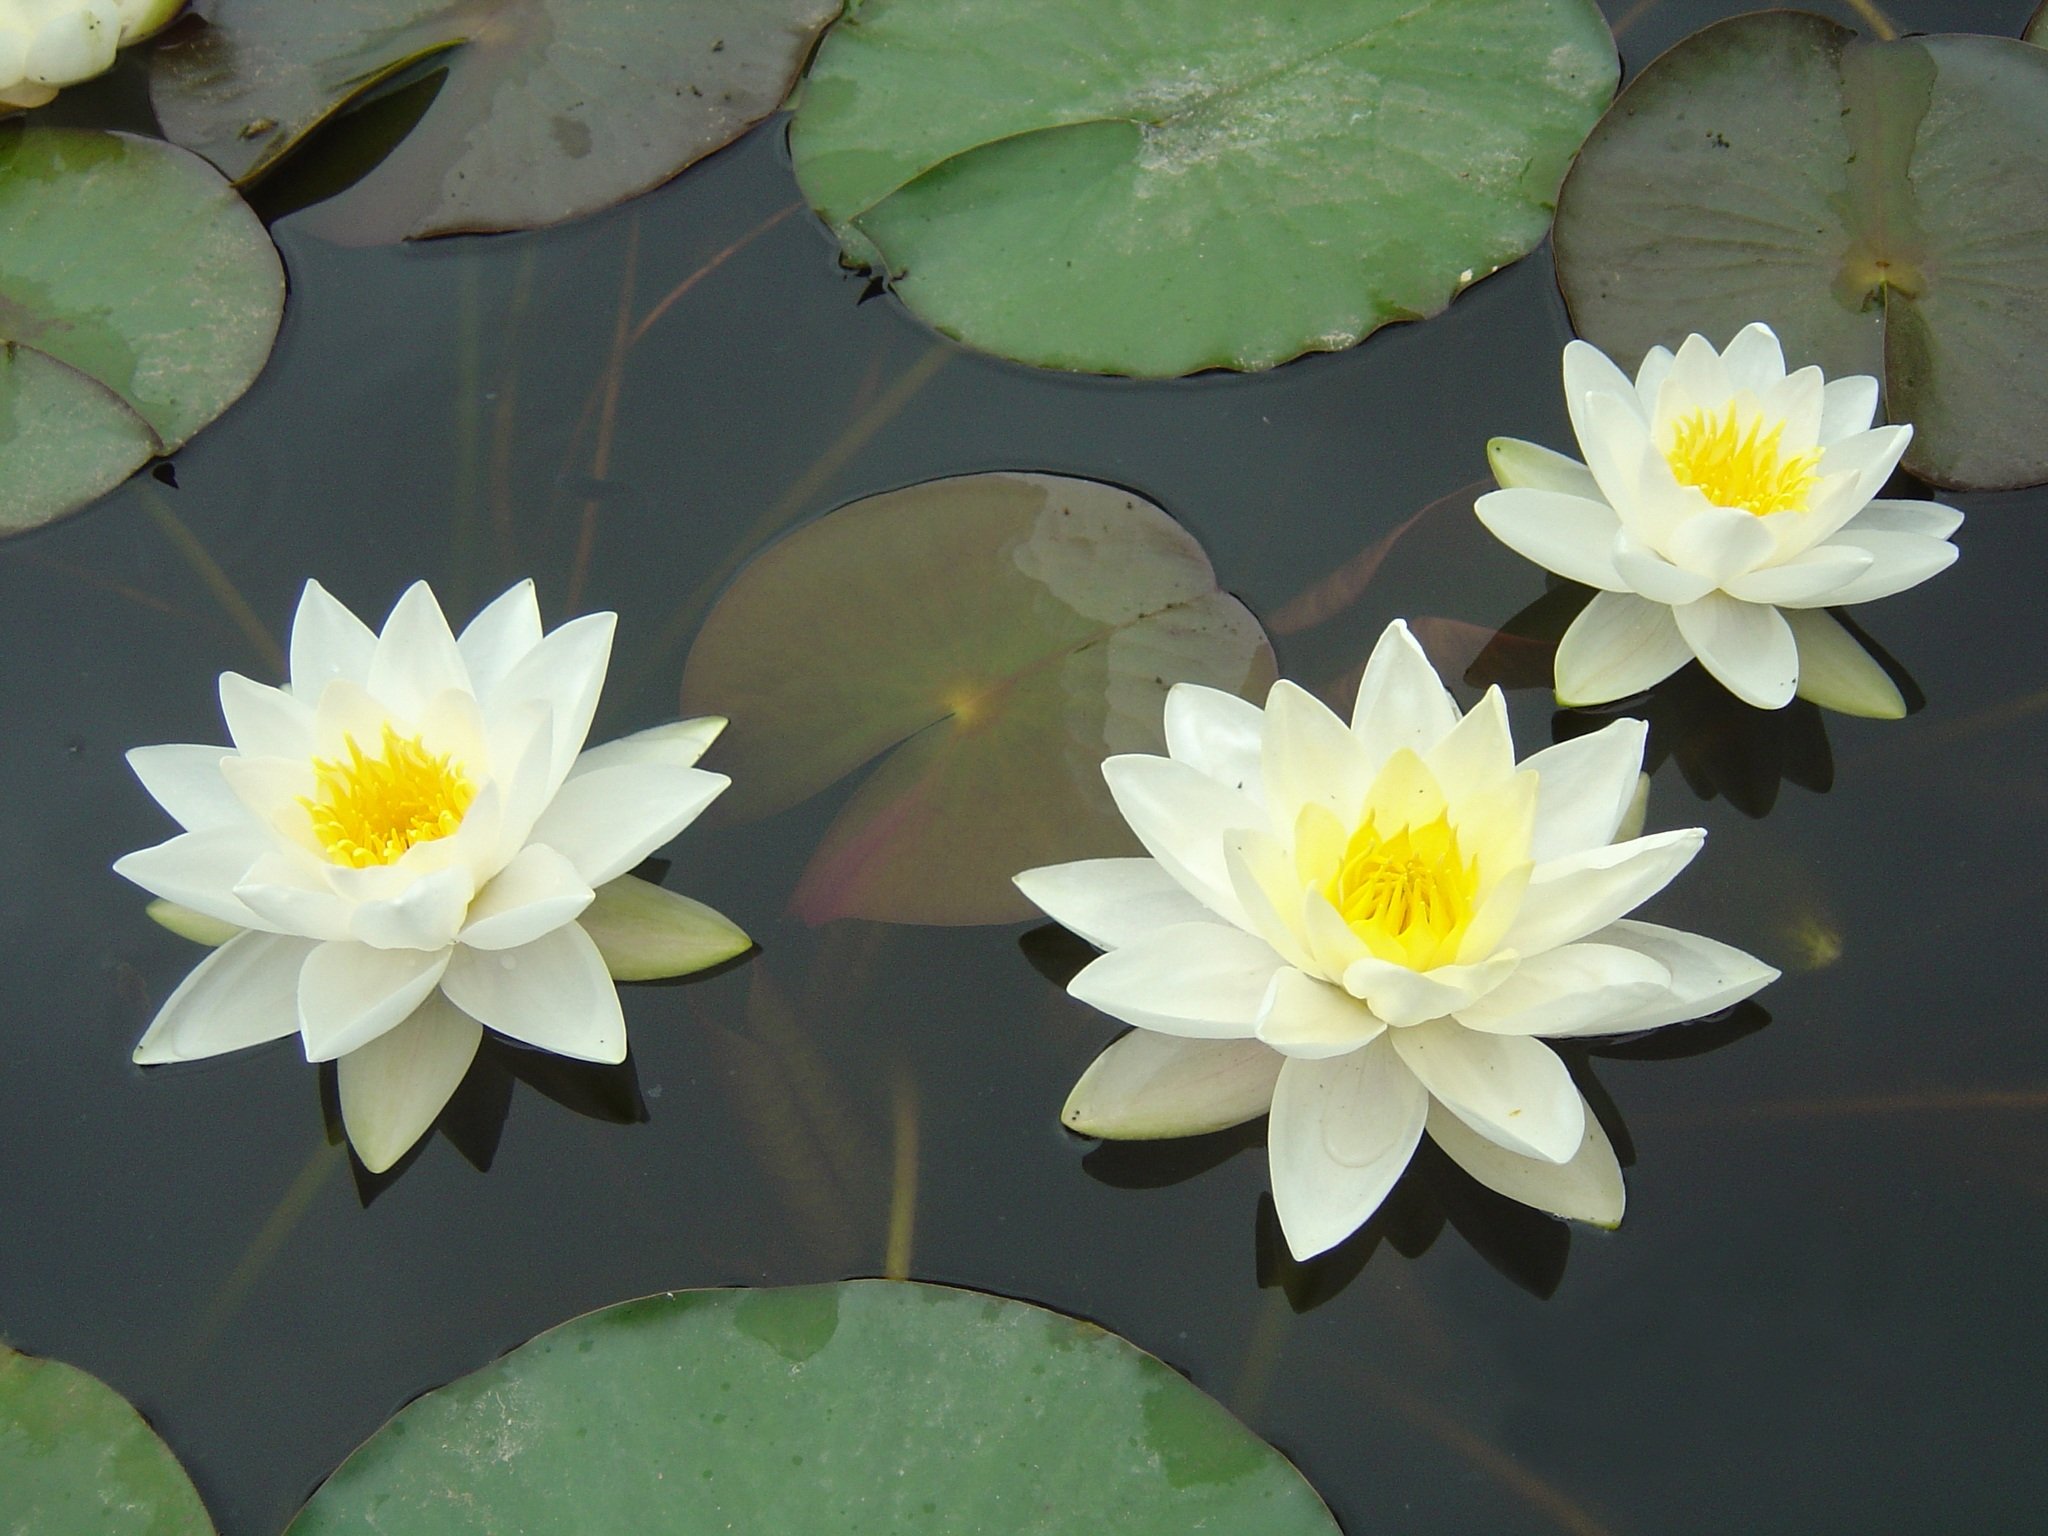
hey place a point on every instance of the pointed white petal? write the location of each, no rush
(495, 640)
(416, 656)
(327, 642)
(200, 870)
(1216, 733)
(1571, 987)
(1476, 758)
(1308, 757)
(1584, 787)
(1147, 1086)
(676, 745)
(1754, 359)
(1401, 701)
(1110, 902)
(242, 994)
(534, 894)
(1869, 456)
(607, 821)
(1747, 646)
(1620, 644)
(1587, 372)
(1509, 1088)
(1699, 374)
(565, 672)
(265, 721)
(1706, 976)
(349, 994)
(394, 1088)
(1648, 574)
(1848, 406)
(1930, 519)
(1403, 997)
(1342, 1132)
(1197, 979)
(1519, 466)
(1588, 1188)
(646, 932)
(553, 993)
(1263, 878)
(1807, 581)
(1571, 535)
(425, 913)
(186, 781)
(1720, 543)
(291, 895)
(1182, 816)
(1836, 672)
(1897, 561)
(1650, 377)
(1310, 1018)
(1571, 897)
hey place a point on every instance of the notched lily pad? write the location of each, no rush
(876, 1407)
(139, 298)
(997, 636)
(1124, 187)
(77, 1460)
(551, 108)
(1882, 205)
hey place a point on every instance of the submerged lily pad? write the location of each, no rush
(139, 297)
(1125, 187)
(1003, 633)
(551, 108)
(876, 1407)
(1882, 205)
(77, 1460)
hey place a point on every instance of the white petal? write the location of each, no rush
(72, 46)
(327, 642)
(1476, 758)
(1584, 787)
(1806, 581)
(1183, 816)
(1897, 561)
(200, 870)
(1754, 359)
(291, 895)
(265, 721)
(427, 913)
(1587, 372)
(1403, 997)
(607, 821)
(1342, 1133)
(1747, 647)
(1310, 1018)
(534, 894)
(1572, 987)
(1110, 902)
(1517, 466)
(565, 672)
(1148, 1086)
(495, 640)
(1836, 672)
(1698, 374)
(244, 993)
(1215, 733)
(1650, 575)
(1620, 644)
(1928, 518)
(1706, 975)
(1848, 406)
(1571, 535)
(1197, 979)
(1870, 456)
(1509, 1088)
(393, 1089)
(1401, 701)
(1650, 377)
(269, 792)
(416, 656)
(1720, 543)
(1634, 479)
(553, 993)
(676, 745)
(186, 781)
(1308, 757)
(1795, 402)
(1571, 897)
(1588, 1188)
(350, 993)
(1262, 876)
(646, 932)
(345, 712)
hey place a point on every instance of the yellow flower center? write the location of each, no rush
(369, 810)
(1411, 893)
(1738, 467)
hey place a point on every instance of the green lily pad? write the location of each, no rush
(2037, 29)
(139, 297)
(1002, 634)
(1120, 186)
(551, 108)
(1882, 205)
(876, 1407)
(77, 1460)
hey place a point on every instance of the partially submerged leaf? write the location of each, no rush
(872, 1406)
(1004, 633)
(1882, 205)
(77, 1460)
(552, 108)
(1125, 187)
(647, 932)
(139, 297)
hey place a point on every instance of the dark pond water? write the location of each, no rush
(1822, 1313)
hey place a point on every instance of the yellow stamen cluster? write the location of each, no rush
(1409, 896)
(370, 810)
(1738, 467)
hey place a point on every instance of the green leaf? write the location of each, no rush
(139, 297)
(1003, 633)
(552, 108)
(873, 1408)
(1125, 187)
(77, 1460)
(1882, 205)
(648, 933)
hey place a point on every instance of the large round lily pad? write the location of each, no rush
(76, 1460)
(551, 108)
(1002, 633)
(1128, 187)
(139, 297)
(1882, 205)
(873, 1408)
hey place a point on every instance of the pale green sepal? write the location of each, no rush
(1588, 1188)
(1517, 465)
(648, 933)
(1836, 672)
(152, 19)
(187, 924)
(1148, 1086)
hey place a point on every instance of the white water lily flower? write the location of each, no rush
(1367, 927)
(407, 842)
(45, 44)
(1723, 504)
